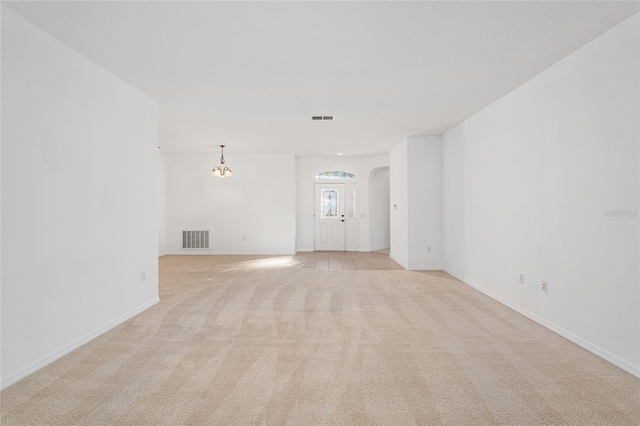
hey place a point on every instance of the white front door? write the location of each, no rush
(329, 217)
(336, 223)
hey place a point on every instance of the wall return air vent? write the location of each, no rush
(195, 239)
(323, 117)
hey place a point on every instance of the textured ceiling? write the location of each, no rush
(250, 74)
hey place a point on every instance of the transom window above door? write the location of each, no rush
(335, 175)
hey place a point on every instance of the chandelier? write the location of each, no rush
(221, 170)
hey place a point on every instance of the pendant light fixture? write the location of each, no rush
(221, 170)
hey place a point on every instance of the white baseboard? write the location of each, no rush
(594, 349)
(426, 268)
(216, 253)
(59, 353)
(306, 250)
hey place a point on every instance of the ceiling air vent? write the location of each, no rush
(323, 117)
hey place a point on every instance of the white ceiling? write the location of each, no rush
(250, 74)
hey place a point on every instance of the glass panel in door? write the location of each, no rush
(330, 202)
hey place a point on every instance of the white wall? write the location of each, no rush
(306, 170)
(78, 199)
(1, 380)
(527, 182)
(416, 190)
(258, 203)
(424, 164)
(398, 186)
(379, 209)
(162, 204)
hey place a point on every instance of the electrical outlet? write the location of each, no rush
(244, 239)
(428, 249)
(521, 278)
(544, 286)
(143, 276)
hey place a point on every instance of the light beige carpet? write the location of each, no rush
(252, 341)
